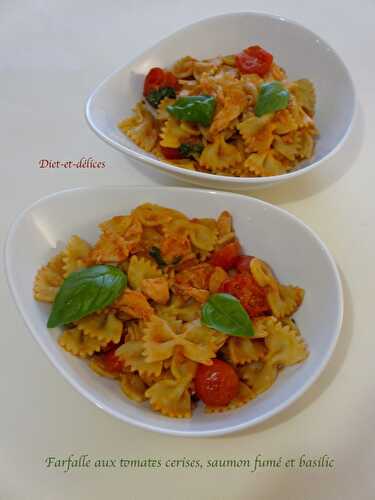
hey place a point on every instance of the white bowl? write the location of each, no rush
(293, 250)
(297, 49)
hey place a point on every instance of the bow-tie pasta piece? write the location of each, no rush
(183, 68)
(265, 164)
(134, 330)
(180, 309)
(140, 269)
(159, 340)
(75, 255)
(132, 355)
(173, 134)
(220, 155)
(134, 304)
(109, 248)
(234, 103)
(76, 342)
(241, 350)
(263, 325)
(151, 215)
(133, 387)
(217, 277)
(151, 379)
(252, 126)
(304, 92)
(49, 279)
(285, 300)
(285, 345)
(244, 395)
(141, 128)
(263, 274)
(102, 327)
(171, 397)
(99, 367)
(162, 112)
(156, 289)
(120, 235)
(225, 229)
(259, 376)
(202, 236)
(203, 336)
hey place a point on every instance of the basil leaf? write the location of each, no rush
(86, 291)
(194, 108)
(272, 97)
(224, 313)
(191, 150)
(154, 252)
(155, 96)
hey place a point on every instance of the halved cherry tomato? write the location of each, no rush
(217, 384)
(248, 292)
(154, 80)
(242, 263)
(254, 59)
(225, 257)
(111, 362)
(171, 153)
(170, 80)
(157, 78)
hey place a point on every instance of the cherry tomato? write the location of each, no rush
(254, 60)
(225, 257)
(158, 78)
(248, 292)
(170, 80)
(242, 263)
(154, 80)
(171, 153)
(217, 384)
(111, 362)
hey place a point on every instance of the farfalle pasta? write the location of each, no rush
(235, 115)
(139, 306)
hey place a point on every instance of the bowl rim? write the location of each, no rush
(130, 420)
(195, 176)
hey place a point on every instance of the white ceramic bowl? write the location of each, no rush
(302, 53)
(294, 251)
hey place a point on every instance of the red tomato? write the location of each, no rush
(225, 257)
(242, 263)
(217, 384)
(248, 292)
(170, 80)
(171, 153)
(111, 362)
(254, 60)
(154, 80)
(158, 78)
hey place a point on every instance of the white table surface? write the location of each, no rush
(51, 56)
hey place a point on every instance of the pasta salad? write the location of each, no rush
(171, 308)
(235, 115)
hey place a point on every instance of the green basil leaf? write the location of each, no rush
(224, 313)
(194, 108)
(155, 253)
(155, 96)
(272, 97)
(85, 292)
(191, 150)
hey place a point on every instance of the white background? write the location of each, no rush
(52, 54)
